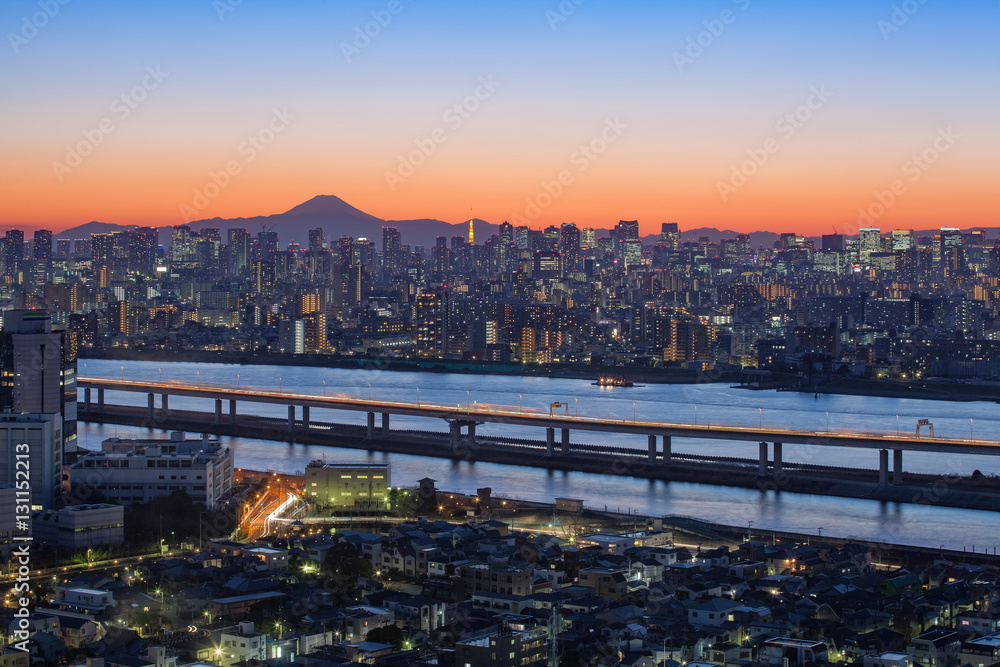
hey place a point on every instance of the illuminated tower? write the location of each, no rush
(472, 233)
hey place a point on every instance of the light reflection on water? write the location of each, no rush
(912, 524)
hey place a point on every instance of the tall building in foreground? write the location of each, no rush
(39, 436)
(38, 369)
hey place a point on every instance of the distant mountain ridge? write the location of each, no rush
(338, 218)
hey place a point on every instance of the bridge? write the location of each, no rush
(659, 434)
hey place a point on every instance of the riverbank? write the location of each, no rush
(563, 371)
(942, 390)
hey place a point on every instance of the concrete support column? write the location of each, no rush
(218, 409)
(150, 405)
(371, 425)
(667, 449)
(897, 466)
(777, 458)
(164, 403)
(86, 398)
(652, 448)
(565, 441)
(883, 466)
(550, 441)
(291, 417)
(454, 428)
(305, 416)
(385, 423)
(232, 411)
(100, 399)
(762, 466)
(472, 433)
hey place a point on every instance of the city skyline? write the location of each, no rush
(737, 116)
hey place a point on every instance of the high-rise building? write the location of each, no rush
(442, 256)
(834, 242)
(316, 240)
(41, 245)
(432, 323)
(392, 251)
(237, 250)
(570, 246)
(142, 254)
(870, 241)
(669, 235)
(12, 253)
(292, 336)
(120, 320)
(39, 435)
(268, 241)
(38, 369)
(182, 245)
(63, 248)
(903, 239)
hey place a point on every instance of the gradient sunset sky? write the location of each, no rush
(681, 130)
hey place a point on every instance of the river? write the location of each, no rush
(925, 525)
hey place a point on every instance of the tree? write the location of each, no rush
(389, 634)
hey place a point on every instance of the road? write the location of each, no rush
(473, 412)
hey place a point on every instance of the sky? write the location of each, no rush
(737, 114)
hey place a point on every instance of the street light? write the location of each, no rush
(279, 386)
(897, 424)
(970, 427)
(827, 420)
(633, 410)
(324, 387)
(418, 397)
(760, 417)
(123, 373)
(466, 399)
(520, 408)
(696, 414)
(160, 371)
(576, 407)
(237, 381)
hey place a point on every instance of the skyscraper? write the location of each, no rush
(38, 369)
(237, 250)
(142, 255)
(392, 251)
(41, 245)
(316, 239)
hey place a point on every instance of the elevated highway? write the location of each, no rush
(659, 432)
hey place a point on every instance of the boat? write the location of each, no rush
(615, 381)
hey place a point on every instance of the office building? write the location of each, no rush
(137, 471)
(42, 433)
(38, 369)
(345, 485)
(80, 526)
